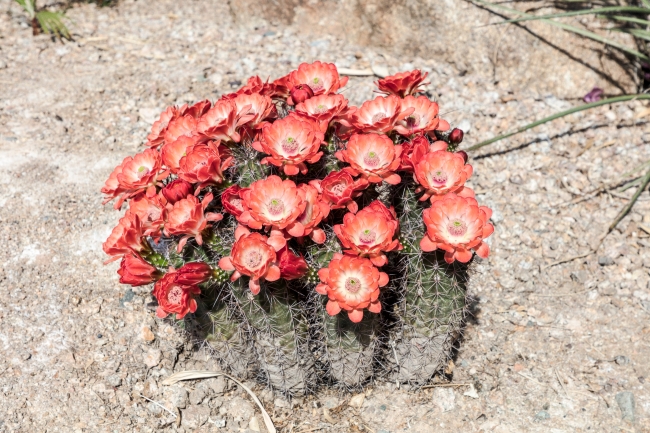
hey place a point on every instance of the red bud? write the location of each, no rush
(176, 190)
(301, 93)
(456, 136)
(464, 155)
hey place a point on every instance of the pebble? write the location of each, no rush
(357, 400)
(178, 397)
(254, 424)
(464, 126)
(152, 357)
(605, 261)
(3, 64)
(197, 396)
(147, 335)
(445, 399)
(625, 402)
(195, 416)
(114, 380)
(622, 360)
(542, 415)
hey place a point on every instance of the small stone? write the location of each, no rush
(197, 396)
(471, 392)
(542, 415)
(3, 64)
(445, 399)
(178, 397)
(147, 335)
(380, 70)
(622, 360)
(464, 126)
(516, 179)
(152, 358)
(195, 416)
(280, 402)
(219, 384)
(254, 424)
(605, 261)
(154, 408)
(580, 276)
(357, 400)
(218, 423)
(114, 380)
(625, 402)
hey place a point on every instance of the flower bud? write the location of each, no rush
(176, 190)
(301, 93)
(193, 273)
(291, 266)
(464, 155)
(456, 136)
(136, 272)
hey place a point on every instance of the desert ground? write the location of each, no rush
(550, 347)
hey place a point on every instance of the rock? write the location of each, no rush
(219, 423)
(3, 64)
(219, 384)
(580, 276)
(147, 335)
(197, 395)
(114, 380)
(357, 400)
(154, 408)
(464, 126)
(152, 358)
(471, 392)
(622, 360)
(280, 402)
(542, 415)
(195, 416)
(444, 398)
(516, 179)
(240, 409)
(625, 402)
(380, 70)
(605, 261)
(178, 397)
(254, 424)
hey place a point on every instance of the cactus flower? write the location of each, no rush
(290, 142)
(125, 238)
(254, 109)
(173, 152)
(134, 270)
(423, 116)
(204, 164)
(252, 255)
(370, 233)
(442, 172)
(194, 273)
(379, 115)
(301, 93)
(176, 190)
(351, 284)
(151, 213)
(274, 203)
(456, 136)
(413, 151)
(221, 122)
(187, 218)
(174, 297)
(179, 127)
(322, 78)
(315, 210)
(402, 83)
(157, 135)
(373, 156)
(232, 201)
(340, 190)
(291, 266)
(457, 225)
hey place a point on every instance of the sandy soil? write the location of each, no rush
(550, 349)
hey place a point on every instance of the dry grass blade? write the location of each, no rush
(605, 10)
(644, 183)
(196, 374)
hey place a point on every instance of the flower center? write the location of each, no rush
(142, 171)
(371, 159)
(236, 203)
(352, 285)
(253, 259)
(457, 228)
(367, 236)
(316, 84)
(320, 109)
(289, 145)
(439, 177)
(413, 121)
(378, 117)
(275, 206)
(175, 295)
(338, 189)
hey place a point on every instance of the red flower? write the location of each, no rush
(402, 83)
(290, 142)
(456, 136)
(254, 109)
(379, 115)
(253, 255)
(174, 297)
(134, 270)
(193, 274)
(186, 218)
(159, 127)
(388, 213)
(125, 238)
(325, 110)
(369, 233)
(173, 152)
(255, 85)
(315, 210)
(457, 225)
(300, 93)
(441, 172)
(413, 151)
(351, 284)
(281, 87)
(232, 201)
(176, 190)
(423, 116)
(112, 186)
(179, 127)
(291, 266)
(322, 78)
(373, 156)
(220, 122)
(275, 203)
(203, 165)
(150, 212)
(340, 189)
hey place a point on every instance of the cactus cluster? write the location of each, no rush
(304, 242)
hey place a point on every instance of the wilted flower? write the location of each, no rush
(291, 266)
(594, 95)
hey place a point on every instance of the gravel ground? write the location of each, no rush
(550, 349)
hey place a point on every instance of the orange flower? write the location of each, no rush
(374, 156)
(325, 110)
(351, 284)
(340, 190)
(151, 213)
(173, 152)
(220, 122)
(134, 270)
(413, 151)
(369, 233)
(290, 142)
(423, 118)
(169, 117)
(457, 225)
(281, 87)
(126, 237)
(402, 83)
(203, 165)
(254, 109)
(232, 201)
(187, 218)
(176, 190)
(179, 127)
(255, 85)
(379, 115)
(322, 78)
(274, 203)
(252, 255)
(316, 209)
(174, 297)
(112, 187)
(159, 127)
(441, 172)
(291, 266)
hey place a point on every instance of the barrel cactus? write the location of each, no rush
(305, 242)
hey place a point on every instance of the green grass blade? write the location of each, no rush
(605, 10)
(614, 100)
(570, 28)
(638, 33)
(630, 20)
(28, 5)
(52, 23)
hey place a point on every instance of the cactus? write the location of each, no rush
(431, 303)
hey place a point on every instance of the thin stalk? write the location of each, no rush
(614, 100)
(635, 197)
(630, 19)
(605, 10)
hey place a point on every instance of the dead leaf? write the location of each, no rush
(327, 416)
